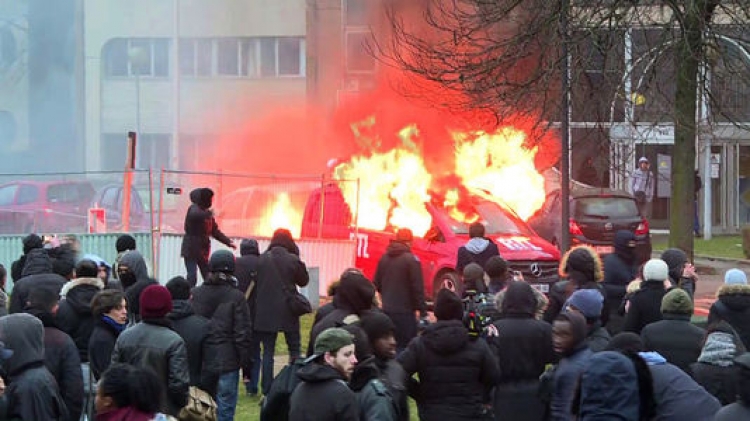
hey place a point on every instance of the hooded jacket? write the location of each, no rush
(609, 389)
(381, 390)
(30, 242)
(136, 265)
(326, 387)
(279, 273)
(645, 306)
(477, 250)
(455, 372)
(74, 315)
(200, 226)
(246, 266)
(734, 309)
(101, 343)
(675, 260)
(33, 393)
(675, 338)
(678, 397)
(581, 268)
(228, 340)
(620, 267)
(47, 280)
(61, 357)
(568, 370)
(194, 330)
(715, 369)
(399, 280)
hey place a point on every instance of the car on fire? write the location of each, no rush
(327, 215)
(596, 214)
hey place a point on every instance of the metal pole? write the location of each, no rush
(138, 101)
(565, 128)
(175, 147)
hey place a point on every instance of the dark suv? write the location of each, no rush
(596, 214)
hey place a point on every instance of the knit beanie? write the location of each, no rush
(588, 301)
(331, 340)
(677, 301)
(448, 306)
(125, 242)
(735, 277)
(377, 325)
(675, 260)
(496, 267)
(655, 270)
(155, 302)
(221, 261)
(719, 349)
(626, 342)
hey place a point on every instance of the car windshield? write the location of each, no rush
(496, 220)
(605, 207)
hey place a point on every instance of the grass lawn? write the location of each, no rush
(729, 246)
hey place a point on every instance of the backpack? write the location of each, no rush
(277, 403)
(200, 407)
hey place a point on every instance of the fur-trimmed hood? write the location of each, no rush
(581, 259)
(96, 282)
(735, 297)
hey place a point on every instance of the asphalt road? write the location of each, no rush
(711, 278)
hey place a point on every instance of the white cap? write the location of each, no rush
(643, 159)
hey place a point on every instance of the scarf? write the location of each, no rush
(118, 327)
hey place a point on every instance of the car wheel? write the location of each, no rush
(447, 280)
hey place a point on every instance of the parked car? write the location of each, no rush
(111, 197)
(596, 214)
(44, 206)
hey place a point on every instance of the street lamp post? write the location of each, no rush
(137, 58)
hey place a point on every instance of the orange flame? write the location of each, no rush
(281, 214)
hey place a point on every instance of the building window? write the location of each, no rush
(355, 13)
(289, 51)
(243, 57)
(358, 56)
(125, 57)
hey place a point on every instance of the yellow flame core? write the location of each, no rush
(281, 214)
(500, 164)
(392, 190)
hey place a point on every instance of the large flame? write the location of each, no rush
(280, 214)
(500, 164)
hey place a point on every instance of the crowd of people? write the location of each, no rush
(81, 338)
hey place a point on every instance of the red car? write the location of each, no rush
(44, 206)
(525, 252)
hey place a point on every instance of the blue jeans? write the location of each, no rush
(226, 395)
(268, 340)
(192, 267)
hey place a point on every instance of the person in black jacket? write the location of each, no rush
(228, 342)
(133, 275)
(61, 356)
(398, 278)
(246, 272)
(36, 274)
(110, 312)
(477, 250)
(30, 242)
(33, 393)
(193, 329)
(165, 354)
(620, 268)
(589, 303)
(74, 316)
(523, 347)
(715, 369)
(732, 304)
(200, 226)
(581, 268)
(456, 372)
(280, 271)
(644, 306)
(681, 271)
(323, 381)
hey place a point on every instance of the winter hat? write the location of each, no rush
(249, 246)
(577, 325)
(735, 277)
(496, 267)
(355, 292)
(642, 159)
(584, 261)
(675, 260)
(377, 325)
(331, 340)
(31, 242)
(125, 242)
(448, 306)
(588, 301)
(655, 270)
(719, 349)
(404, 235)
(626, 342)
(155, 302)
(221, 261)
(677, 301)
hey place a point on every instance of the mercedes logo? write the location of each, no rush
(536, 270)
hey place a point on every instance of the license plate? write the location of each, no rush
(541, 287)
(604, 249)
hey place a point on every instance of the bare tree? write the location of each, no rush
(630, 61)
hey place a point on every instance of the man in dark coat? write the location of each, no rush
(644, 306)
(110, 311)
(280, 271)
(30, 242)
(323, 381)
(134, 278)
(589, 303)
(33, 393)
(200, 226)
(74, 316)
(674, 337)
(580, 268)
(523, 347)
(398, 278)
(732, 304)
(715, 369)
(609, 389)
(37, 274)
(165, 354)
(456, 372)
(740, 410)
(380, 381)
(193, 329)
(620, 268)
(681, 271)
(477, 250)
(61, 356)
(569, 341)
(228, 342)
(246, 272)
